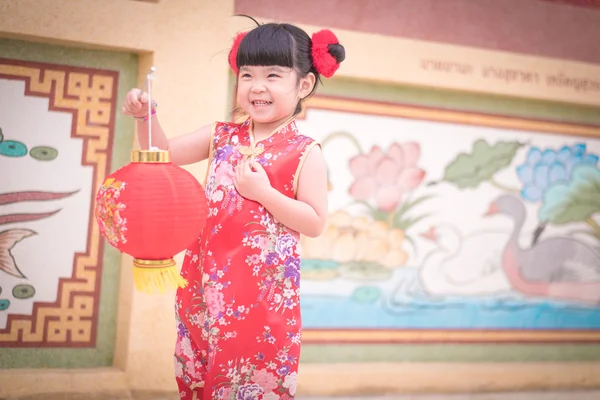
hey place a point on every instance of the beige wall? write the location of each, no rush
(187, 41)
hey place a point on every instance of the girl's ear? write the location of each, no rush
(306, 85)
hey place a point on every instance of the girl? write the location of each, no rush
(238, 320)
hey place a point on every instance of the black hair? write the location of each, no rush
(284, 45)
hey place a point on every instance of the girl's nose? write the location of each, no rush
(258, 87)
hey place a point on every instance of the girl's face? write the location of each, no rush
(269, 94)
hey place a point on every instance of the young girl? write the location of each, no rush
(238, 320)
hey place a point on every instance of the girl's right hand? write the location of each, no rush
(134, 106)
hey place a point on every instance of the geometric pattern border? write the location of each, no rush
(90, 95)
(445, 336)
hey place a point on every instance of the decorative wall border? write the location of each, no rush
(464, 336)
(90, 96)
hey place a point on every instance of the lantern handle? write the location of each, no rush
(148, 85)
(145, 85)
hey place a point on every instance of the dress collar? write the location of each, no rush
(249, 147)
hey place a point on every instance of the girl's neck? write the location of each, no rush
(264, 131)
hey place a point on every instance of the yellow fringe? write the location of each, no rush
(161, 279)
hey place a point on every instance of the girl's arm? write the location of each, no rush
(186, 149)
(308, 212)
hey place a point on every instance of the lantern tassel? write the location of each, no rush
(151, 276)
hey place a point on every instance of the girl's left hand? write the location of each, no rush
(251, 180)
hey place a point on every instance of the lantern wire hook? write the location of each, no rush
(148, 85)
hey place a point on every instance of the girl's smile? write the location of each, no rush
(261, 103)
(269, 94)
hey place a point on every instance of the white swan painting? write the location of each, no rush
(464, 265)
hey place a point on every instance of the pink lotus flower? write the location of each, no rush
(386, 177)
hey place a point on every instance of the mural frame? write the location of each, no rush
(447, 336)
(90, 96)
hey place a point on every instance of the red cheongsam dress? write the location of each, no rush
(238, 320)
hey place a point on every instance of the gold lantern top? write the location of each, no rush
(150, 156)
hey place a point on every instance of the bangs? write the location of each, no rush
(266, 45)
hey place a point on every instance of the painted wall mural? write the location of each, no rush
(57, 126)
(453, 227)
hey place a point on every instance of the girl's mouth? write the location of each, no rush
(261, 103)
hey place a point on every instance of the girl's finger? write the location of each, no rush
(132, 96)
(130, 110)
(247, 168)
(256, 167)
(143, 99)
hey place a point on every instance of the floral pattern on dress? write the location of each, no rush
(239, 322)
(277, 264)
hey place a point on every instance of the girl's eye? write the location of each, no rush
(273, 76)
(245, 75)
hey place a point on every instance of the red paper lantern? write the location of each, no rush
(151, 209)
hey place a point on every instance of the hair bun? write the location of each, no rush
(326, 51)
(337, 51)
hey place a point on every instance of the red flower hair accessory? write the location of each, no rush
(324, 62)
(234, 50)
